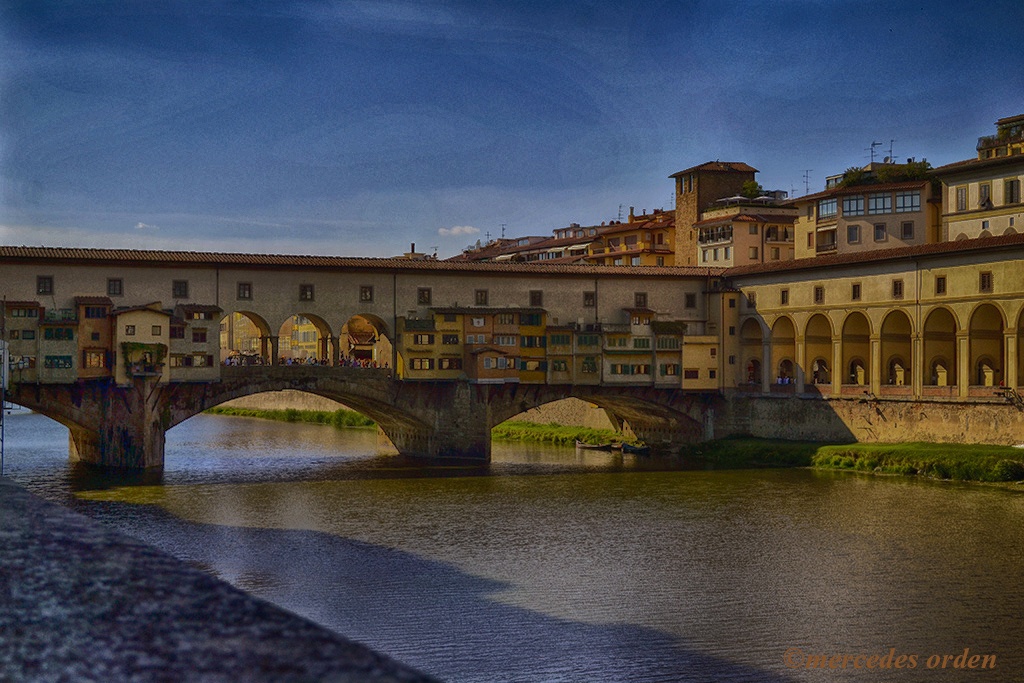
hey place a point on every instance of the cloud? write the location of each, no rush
(145, 226)
(458, 230)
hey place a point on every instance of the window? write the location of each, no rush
(115, 286)
(691, 300)
(587, 340)
(94, 359)
(728, 251)
(752, 253)
(691, 373)
(659, 260)
(244, 291)
(712, 374)
(533, 342)
(28, 334)
(880, 232)
(784, 297)
(480, 297)
(940, 284)
(199, 336)
(450, 364)
(853, 206)
(59, 333)
(640, 300)
(589, 365)
(536, 298)
(986, 282)
(961, 199)
(506, 339)
(589, 299)
(529, 319)
(177, 332)
(732, 302)
(422, 363)
(306, 293)
(879, 202)
(365, 294)
(984, 195)
(25, 313)
(57, 362)
(774, 253)
(751, 299)
(819, 295)
(897, 289)
(95, 312)
(669, 343)
(1011, 192)
(908, 201)
(129, 330)
(984, 225)
(44, 284)
(732, 330)
(156, 330)
(423, 296)
(714, 254)
(559, 366)
(449, 339)
(668, 369)
(827, 208)
(505, 319)
(907, 230)
(753, 230)
(810, 211)
(704, 256)
(642, 343)
(423, 339)
(561, 339)
(179, 289)
(852, 234)
(855, 292)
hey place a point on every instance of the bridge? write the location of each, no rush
(125, 426)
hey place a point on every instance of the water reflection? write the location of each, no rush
(548, 565)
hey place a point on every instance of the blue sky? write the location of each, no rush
(357, 128)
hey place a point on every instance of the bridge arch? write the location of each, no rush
(365, 338)
(245, 335)
(305, 337)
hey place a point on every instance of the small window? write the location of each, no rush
(366, 294)
(810, 240)
(819, 295)
(177, 332)
(44, 284)
(179, 289)
(940, 284)
(691, 300)
(659, 260)
(245, 291)
(855, 293)
(784, 297)
(424, 296)
(732, 302)
(115, 287)
(961, 198)
(732, 330)
(589, 299)
(129, 330)
(751, 299)
(986, 282)
(852, 234)
(536, 298)
(480, 297)
(753, 253)
(880, 232)
(156, 330)
(199, 336)
(306, 293)
(449, 339)
(640, 300)
(897, 289)
(907, 230)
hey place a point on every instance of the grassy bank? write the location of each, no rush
(339, 418)
(959, 462)
(553, 433)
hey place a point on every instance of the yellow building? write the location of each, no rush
(738, 231)
(646, 240)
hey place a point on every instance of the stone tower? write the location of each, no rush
(696, 189)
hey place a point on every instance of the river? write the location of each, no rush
(552, 565)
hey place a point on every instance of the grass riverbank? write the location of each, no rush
(958, 462)
(340, 418)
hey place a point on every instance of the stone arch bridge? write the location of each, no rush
(125, 426)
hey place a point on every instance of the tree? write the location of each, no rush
(752, 189)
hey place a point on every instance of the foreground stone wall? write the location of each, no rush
(79, 602)
(847, 420)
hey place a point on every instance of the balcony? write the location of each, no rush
(779, 236)
(61, 315)
(825, 247)
(715, 235)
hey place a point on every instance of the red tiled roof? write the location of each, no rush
(860, 189)
(134, 257)
(748, 217)
(972, 164)
(894, 254)
(718, 166)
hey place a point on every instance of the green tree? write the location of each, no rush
(752, 189)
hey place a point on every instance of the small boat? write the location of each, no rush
(636, 450)
(593, 446)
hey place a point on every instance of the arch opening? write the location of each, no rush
(985, 338)
(364, 341)
(856, 347)
(939, 348)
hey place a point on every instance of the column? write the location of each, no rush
(801, 363)
(876, 365)
(917, 364)
(766, 367)
(274, 350)
(963, 363)
(335, 350)
(838, 371)
(1010, 364)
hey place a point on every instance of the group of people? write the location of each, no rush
(344, 362)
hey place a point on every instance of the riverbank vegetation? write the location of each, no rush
(959, 462)
(554, 433)
(339, 418)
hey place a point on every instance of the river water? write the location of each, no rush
(553, 565)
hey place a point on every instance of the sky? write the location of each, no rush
(358, 128)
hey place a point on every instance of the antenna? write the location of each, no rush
(502, 231)
(807, 181)
(891, 157)
(487, 235)
(620, 213)
(872, 150)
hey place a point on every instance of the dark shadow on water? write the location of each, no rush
(428, 614)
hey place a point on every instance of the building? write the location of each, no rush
(645, 240)
(737, 231)
(696, 190)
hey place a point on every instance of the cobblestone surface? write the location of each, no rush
(80, 602)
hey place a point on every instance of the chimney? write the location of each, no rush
(412, 248)
(631, 216)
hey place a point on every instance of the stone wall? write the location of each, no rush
(283, 400)
(846, 420)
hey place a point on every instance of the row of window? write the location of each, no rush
(876, 203)
(1011, 195)
(985, 285)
